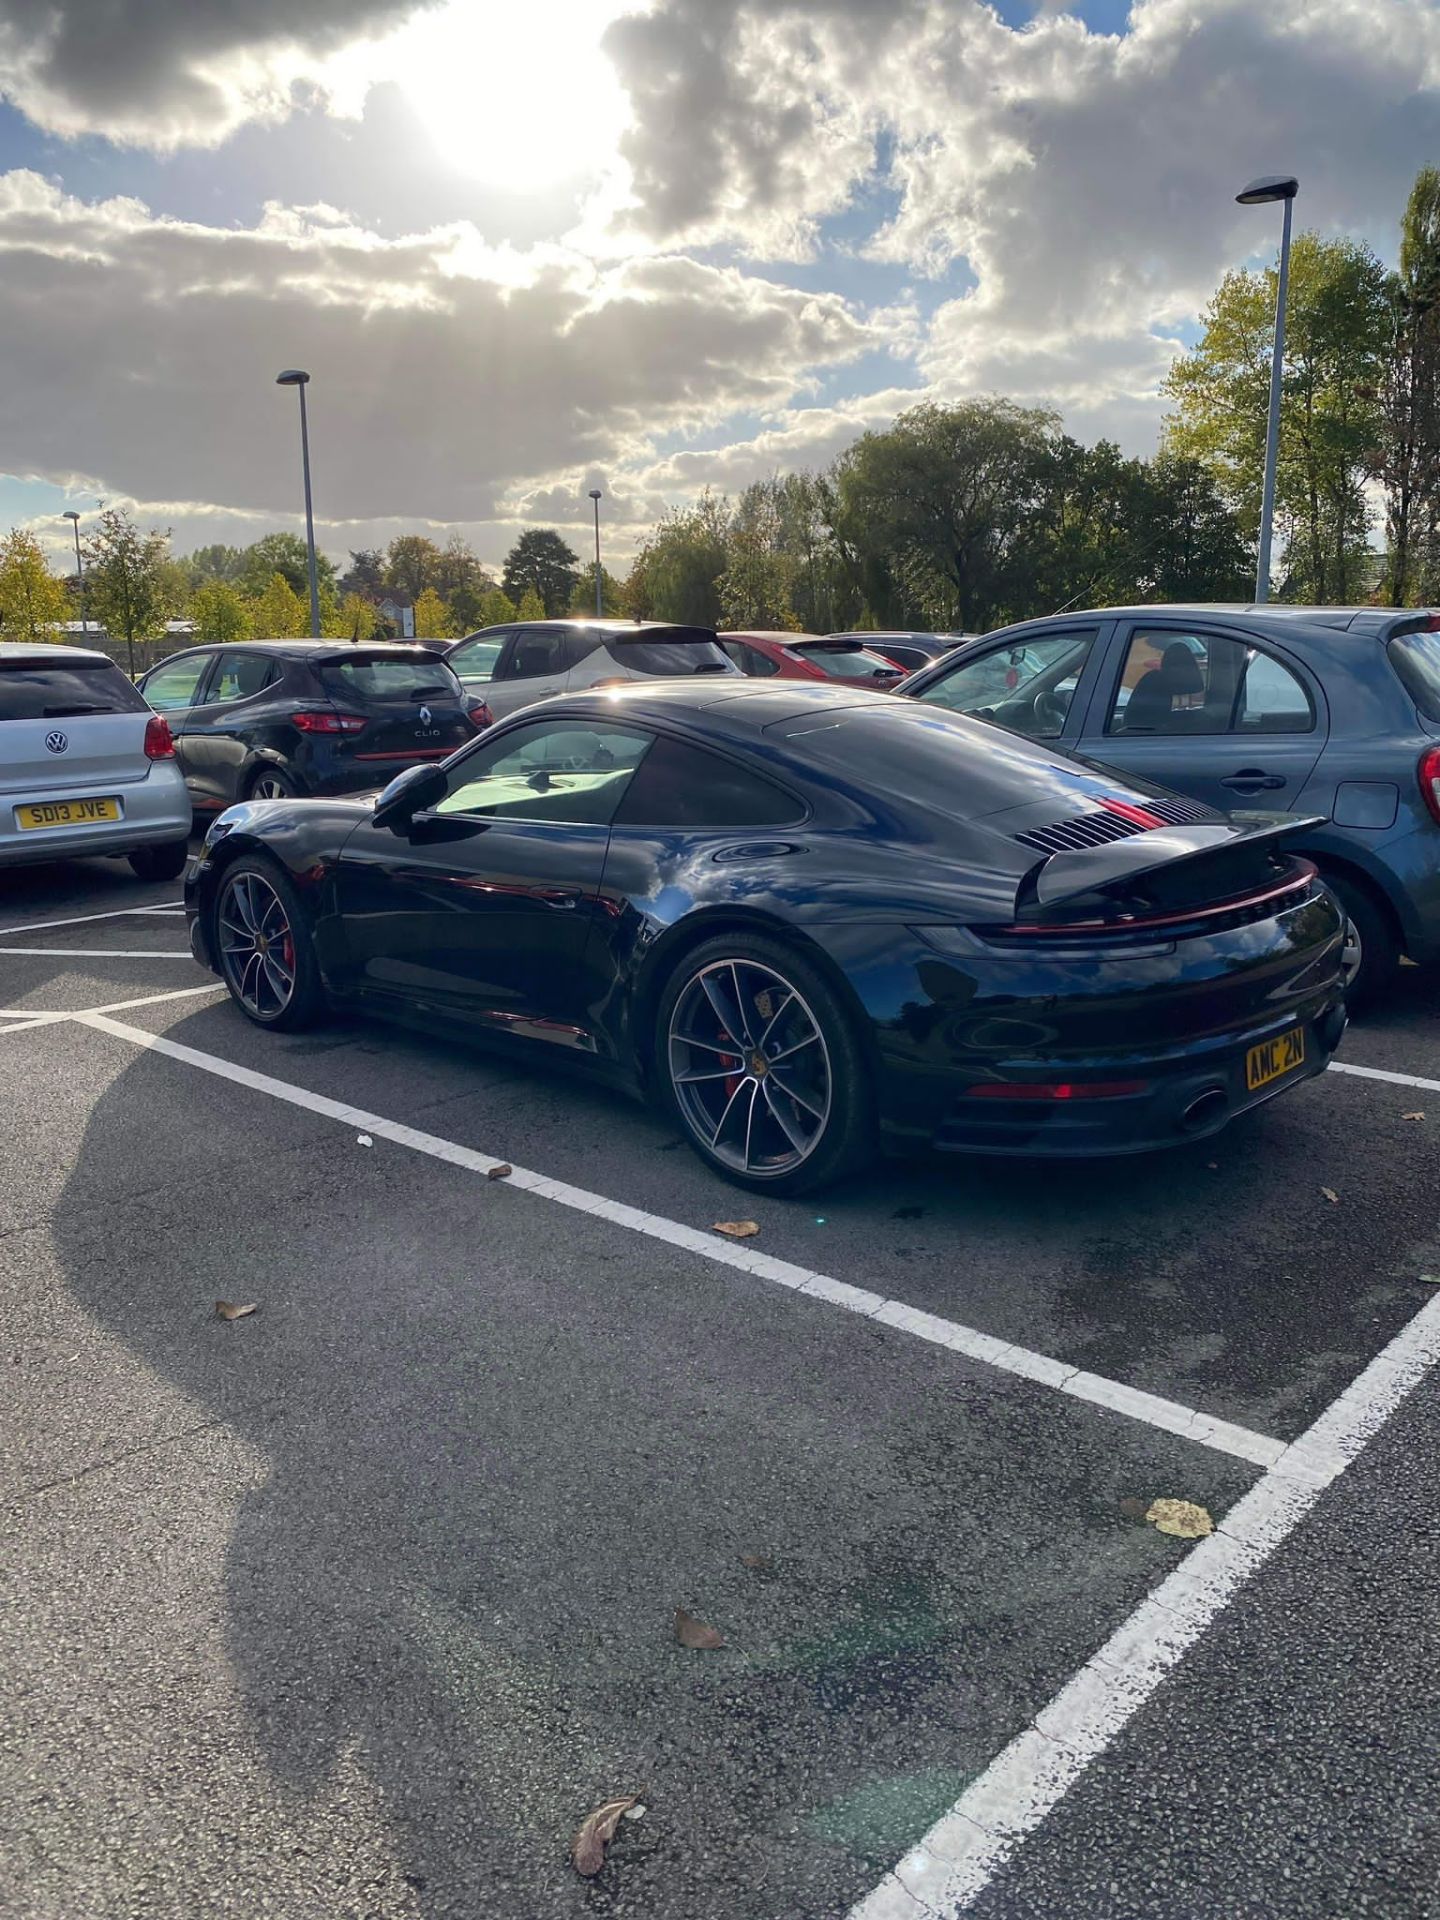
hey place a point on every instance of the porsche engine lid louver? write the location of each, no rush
(1114, 820)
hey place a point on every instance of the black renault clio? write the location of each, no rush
(270, 719)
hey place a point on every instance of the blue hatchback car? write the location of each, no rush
(1331, 711)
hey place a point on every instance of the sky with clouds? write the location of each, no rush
(526, 250)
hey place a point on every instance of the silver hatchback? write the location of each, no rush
(86, 767)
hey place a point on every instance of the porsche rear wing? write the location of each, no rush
(1090, 870)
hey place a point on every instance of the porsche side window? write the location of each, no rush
(1027, 688)
(566, 772)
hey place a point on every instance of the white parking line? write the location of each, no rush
(25, 1017)
(961, 1854)
(1379, 1073)
(80, 919)
(94, 953)
(1259, 1448)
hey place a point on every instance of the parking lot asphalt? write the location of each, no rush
(358, 1605)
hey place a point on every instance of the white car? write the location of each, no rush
(510, 667)
(86, 766)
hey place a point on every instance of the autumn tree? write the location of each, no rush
(542, 563)
(220, 612)
(432, 617)
(497, 609)
(356, 618)
(531, 606)
(125, 579)
(279, 613)
(33, 601)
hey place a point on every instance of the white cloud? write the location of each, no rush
(447, 374)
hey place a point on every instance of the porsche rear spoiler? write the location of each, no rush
(1067, 876)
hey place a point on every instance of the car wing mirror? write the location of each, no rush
(409, 793)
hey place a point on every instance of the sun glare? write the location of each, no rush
(515, 93)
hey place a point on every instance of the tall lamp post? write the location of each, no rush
(74, 520)
(1273, 186)
(293, 377)
(599, 602)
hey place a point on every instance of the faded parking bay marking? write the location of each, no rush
(1168, 1415)
(961, 1854)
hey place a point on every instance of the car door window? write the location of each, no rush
(1198, 683)
(566, 771)
(173, 687)
(538, 653)
(476, 659)
(1027, 688)
(683, 786)
(242, 674)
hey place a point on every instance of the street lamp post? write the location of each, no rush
(293, 377)
(1275, 186)
(74, 520)
(599, 603)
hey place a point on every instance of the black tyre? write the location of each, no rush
(757, 1060)
(270, 783)
(166, 862)
(1372, 952)
(263, 947)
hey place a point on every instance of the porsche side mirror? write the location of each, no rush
(409, 793)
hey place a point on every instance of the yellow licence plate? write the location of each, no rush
(66, 813)
(1274, 1058)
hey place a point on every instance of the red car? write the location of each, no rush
(806, 656)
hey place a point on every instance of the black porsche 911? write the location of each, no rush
(808, 921)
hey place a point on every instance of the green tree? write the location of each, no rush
(531, 606)
(612, 594)
(412, 563)
(432, 617)
(125, 579)
(497, 609)
(941, 512)
(220, 612)
(1339, 329)
(675, 572)
(1407, 461)
(278, 612)
(216, 562)
(367, 572)
(33, 602)
(755, 588)
(287, 555)
(541, 560)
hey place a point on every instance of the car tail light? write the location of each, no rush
(158, 743)
(323, 720)
(481, 715)
(1057, 1089)
(1429, 771)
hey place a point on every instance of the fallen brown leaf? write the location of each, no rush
(1331, 1195)
(1412, 1116)
(595, 1834)
(757, 1562)
(737, 1229)
(502, 1172)
(1182, 1519)
(691, 1632)
(1132, 1508)
(227, 1309)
